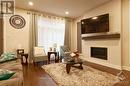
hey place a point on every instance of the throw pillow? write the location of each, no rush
(7, 57)
(39, 51)
(75, 54)
(6, 74)
(72, 54)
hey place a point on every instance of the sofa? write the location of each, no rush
(17, 78)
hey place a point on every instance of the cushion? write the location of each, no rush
(7, 57)
(39, 51)
(65, 49)
(72, 54)
(5, 74)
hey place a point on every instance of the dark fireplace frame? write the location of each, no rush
(99, 52)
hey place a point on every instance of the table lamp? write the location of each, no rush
(54, 46)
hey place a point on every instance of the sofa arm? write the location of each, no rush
(67, 54)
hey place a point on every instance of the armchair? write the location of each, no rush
(64, 51)
(39, 54)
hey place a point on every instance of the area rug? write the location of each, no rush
(86, 77)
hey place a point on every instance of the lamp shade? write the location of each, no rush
(55, 45)
(19, 46)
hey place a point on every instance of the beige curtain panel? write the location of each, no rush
(32, 33)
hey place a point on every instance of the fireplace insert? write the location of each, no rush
(99, 52)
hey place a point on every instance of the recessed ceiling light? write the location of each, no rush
(95, 18)
(66, 12)
(82, 22)
(30, 3)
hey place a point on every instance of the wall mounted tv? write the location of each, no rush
(95, 24)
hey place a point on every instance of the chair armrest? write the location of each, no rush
(67, 52)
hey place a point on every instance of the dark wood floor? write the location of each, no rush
(36, 76)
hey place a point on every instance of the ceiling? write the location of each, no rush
(58, 7)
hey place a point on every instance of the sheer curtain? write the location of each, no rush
(50, 31)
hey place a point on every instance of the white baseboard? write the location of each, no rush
(126, 68)
(105, 64)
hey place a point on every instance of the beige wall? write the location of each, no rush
(15, 37)
(114, 46)
(125, 34)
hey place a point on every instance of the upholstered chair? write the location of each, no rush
(64, 51)
(39, 55)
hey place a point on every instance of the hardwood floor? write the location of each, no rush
(36, 76)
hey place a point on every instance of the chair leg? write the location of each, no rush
(43, 63)
(34, 63)
(37, 63)
(46, 61)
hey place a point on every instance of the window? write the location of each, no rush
(50, 31)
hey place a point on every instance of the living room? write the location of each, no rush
(24, 33)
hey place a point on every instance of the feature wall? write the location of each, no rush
(15, 38)
(112, 7)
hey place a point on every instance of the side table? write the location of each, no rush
(26, 57)
(56, 55)
(19, 52)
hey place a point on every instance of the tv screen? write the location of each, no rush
(95, 24)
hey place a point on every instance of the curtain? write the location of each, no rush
(32, 33)
(68, 26)
(51, 32)
(79, 38)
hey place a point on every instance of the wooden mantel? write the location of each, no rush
(101, 36)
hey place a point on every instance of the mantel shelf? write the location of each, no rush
(102, 36)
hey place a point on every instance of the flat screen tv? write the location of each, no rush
(96, 24)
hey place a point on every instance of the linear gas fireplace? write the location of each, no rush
(99, 52)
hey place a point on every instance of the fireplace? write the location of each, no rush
(99, 52)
